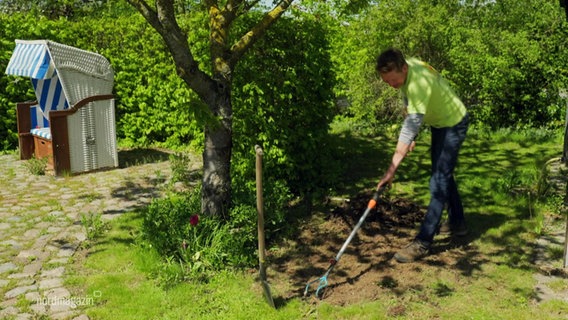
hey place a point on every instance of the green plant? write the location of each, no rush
(165, 219)
(179, 163)
(192, 245)
(36, 166)
(93, 224)
(23, 303)
(519, 182)
(243, 215)
(204, 247)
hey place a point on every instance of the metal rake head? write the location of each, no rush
(322, 285)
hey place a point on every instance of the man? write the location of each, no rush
(428, 99)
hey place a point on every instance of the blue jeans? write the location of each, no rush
(446, 144)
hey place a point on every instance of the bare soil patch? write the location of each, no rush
(367, 269)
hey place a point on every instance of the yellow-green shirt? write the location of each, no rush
(426, 92)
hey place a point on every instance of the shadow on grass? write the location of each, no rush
(125, 233)
(138, 156)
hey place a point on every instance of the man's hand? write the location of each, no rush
(386, 180)
(412, 146)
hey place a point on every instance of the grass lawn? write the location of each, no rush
(498, 176)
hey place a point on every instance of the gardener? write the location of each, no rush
(428, 99)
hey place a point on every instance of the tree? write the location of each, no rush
(214, 88)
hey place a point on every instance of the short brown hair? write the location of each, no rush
(389, 60)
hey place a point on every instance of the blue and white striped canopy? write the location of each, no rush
(31, 59)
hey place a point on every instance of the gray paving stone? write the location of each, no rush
(63, 315)
(57, 293)
(52, 273)
(53, 229)
(15, 218)
(9, 312)
(19, 291)
(57, 213)
(8, 303)
(33, 296)
(39, 309)
(12, 243)
(7, 267)
(25, 282)
(50, 283)
(58, 261)
(33, 268)
(32, 233)
(21, 275)
(63, 306)
(29, 256)
(66, 252)
(24, 316)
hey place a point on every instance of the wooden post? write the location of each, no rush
(25, 138)
(566, 245)
(564, 95)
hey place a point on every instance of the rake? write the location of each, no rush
(322, 281)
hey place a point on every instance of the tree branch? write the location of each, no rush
(164, 21)
(150, 15)
(247, 40)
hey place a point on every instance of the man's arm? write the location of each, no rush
(404, 145)
(410, 127)
(400, 153)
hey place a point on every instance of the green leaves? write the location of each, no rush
(283, 101)
(506, 59)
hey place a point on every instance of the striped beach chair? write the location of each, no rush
(72, 121)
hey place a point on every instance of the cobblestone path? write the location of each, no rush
(41, 228)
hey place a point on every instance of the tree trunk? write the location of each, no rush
(215, 91)
(216, 184)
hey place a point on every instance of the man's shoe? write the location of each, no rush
(459, 230)
(413, 251)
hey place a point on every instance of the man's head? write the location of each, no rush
(392, 67)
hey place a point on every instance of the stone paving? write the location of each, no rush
(41, 228)
(551, 270)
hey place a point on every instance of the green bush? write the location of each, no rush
(201, 244)
(243, 215)
(508, 66)
(283, 101)
(164, 221)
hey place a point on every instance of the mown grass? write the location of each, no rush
(498, 175)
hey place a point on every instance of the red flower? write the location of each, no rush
(194, 219)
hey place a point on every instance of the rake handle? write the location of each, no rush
(372, 203)
(333, 262)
